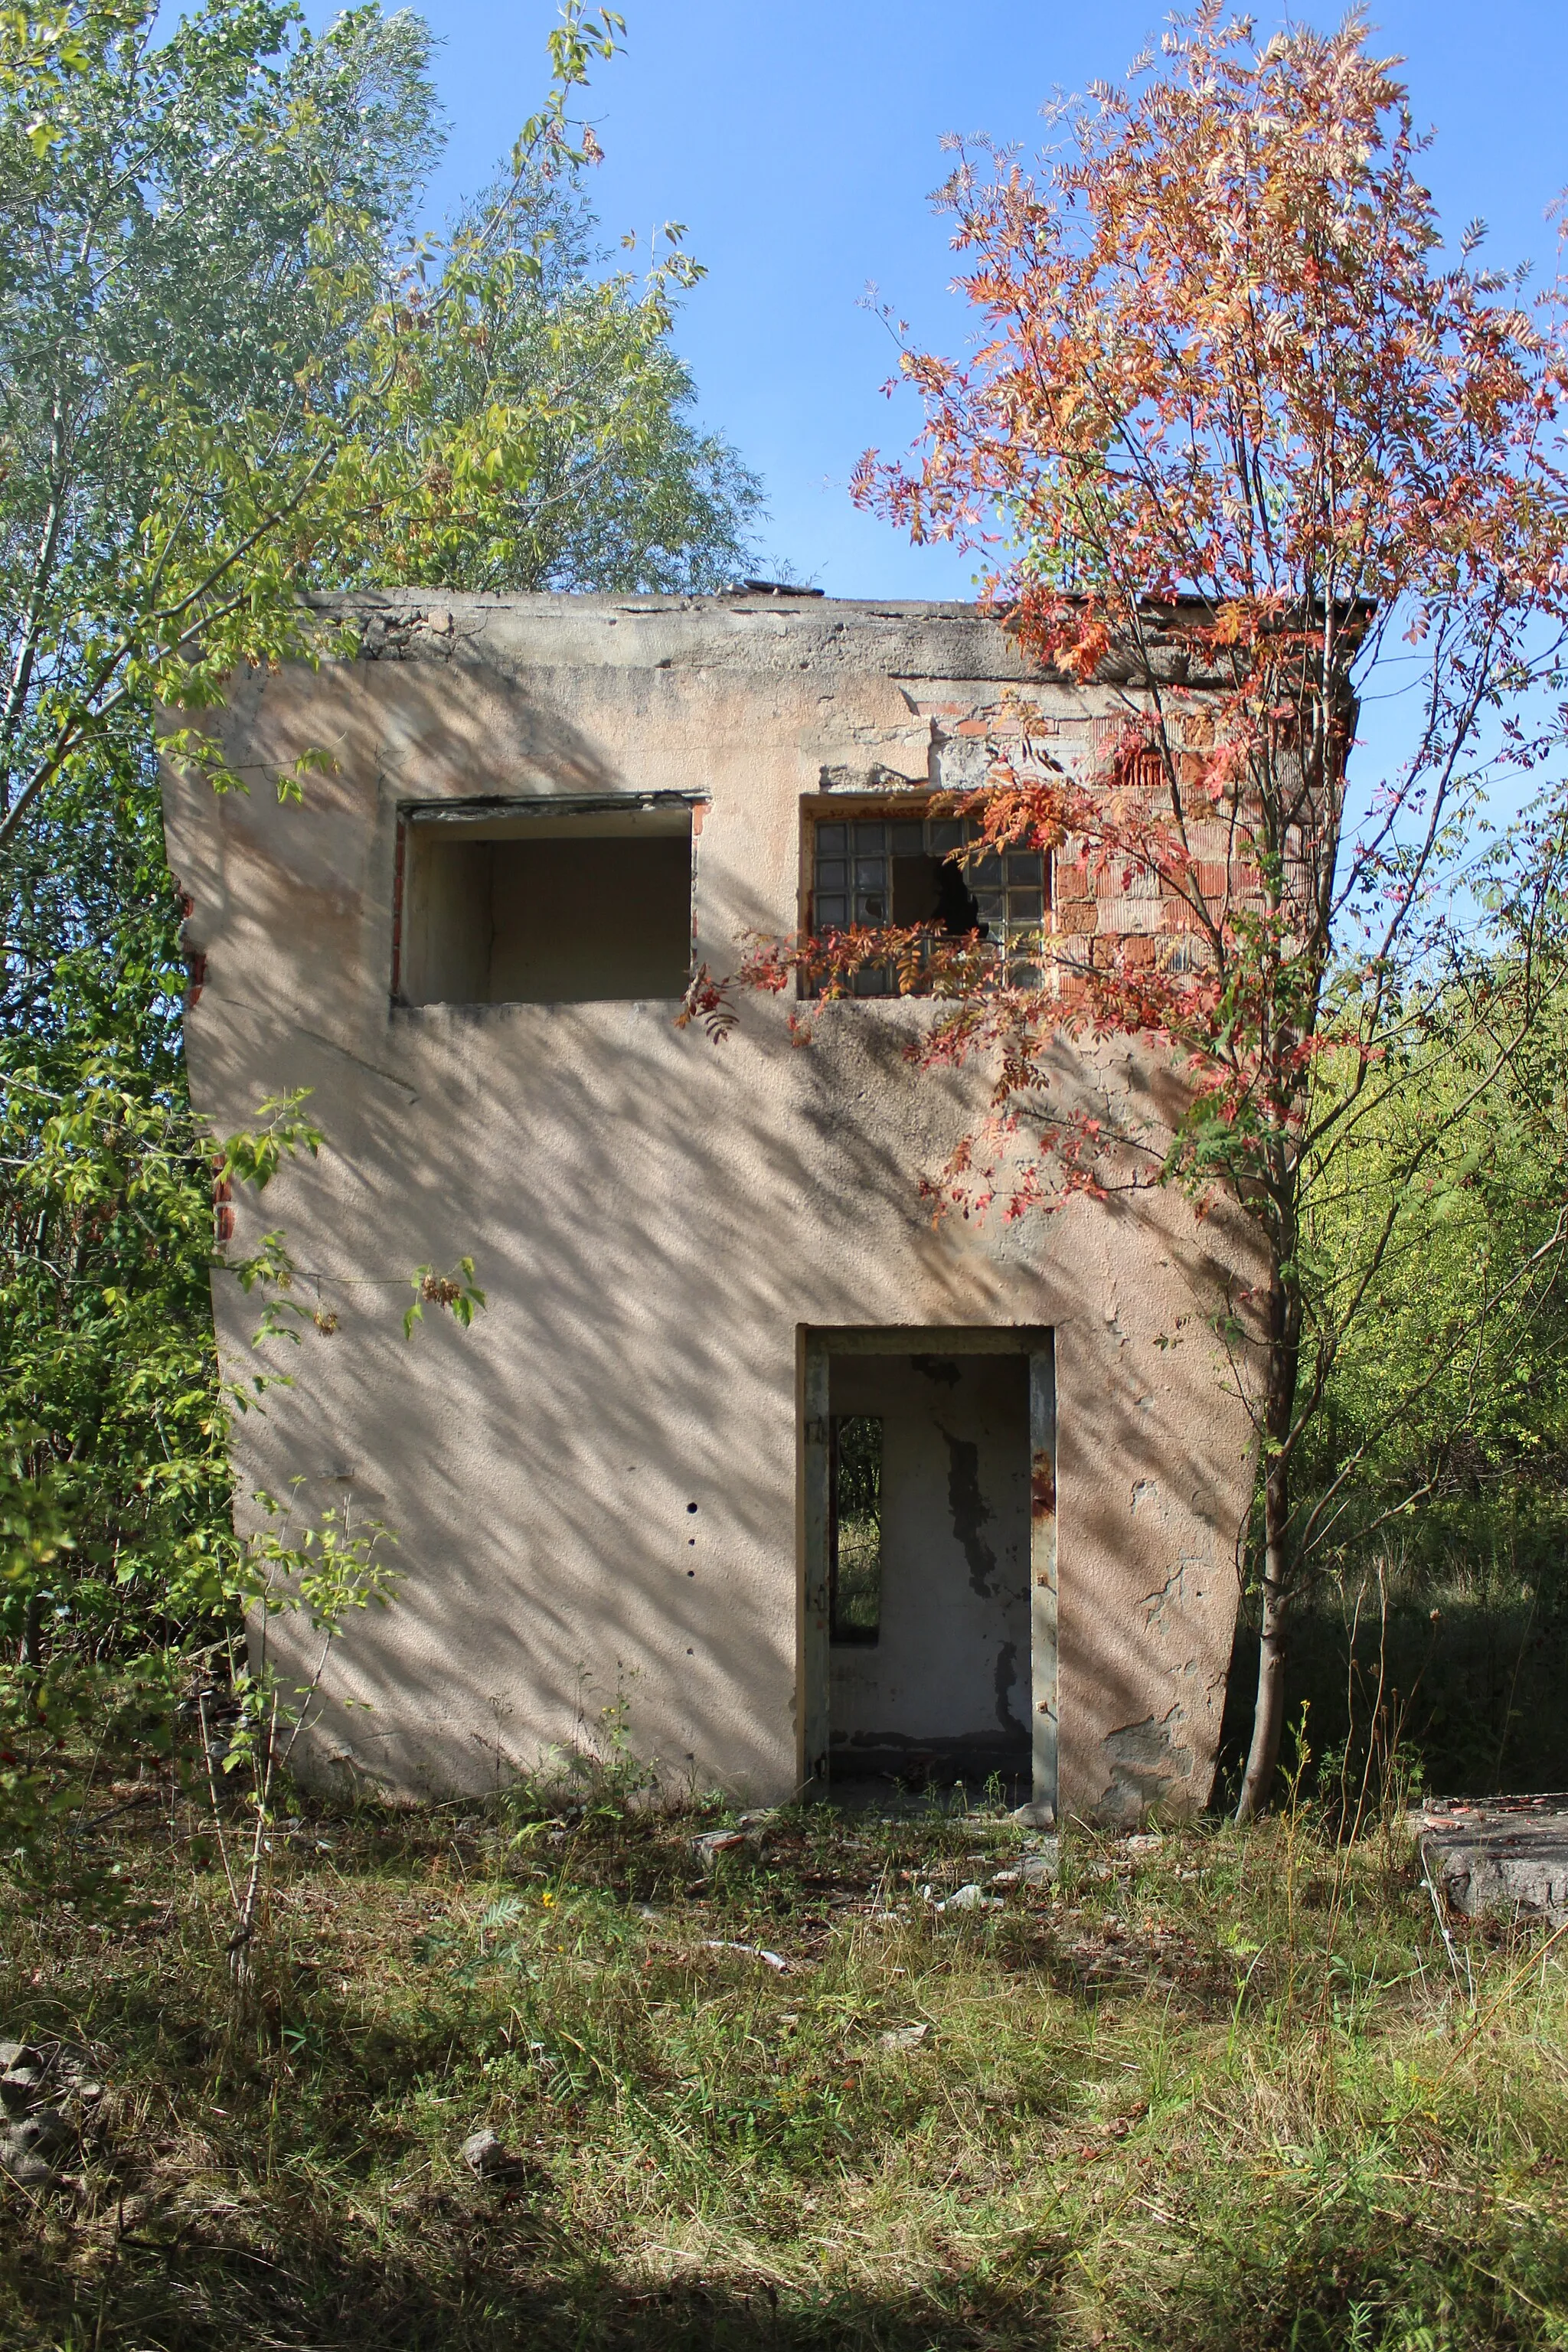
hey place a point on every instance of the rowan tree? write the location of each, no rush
(1236, 436)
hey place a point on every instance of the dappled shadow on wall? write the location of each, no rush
(652, 1216)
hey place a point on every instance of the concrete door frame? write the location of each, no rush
(818, 1345)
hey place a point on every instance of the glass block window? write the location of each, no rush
(892, 869)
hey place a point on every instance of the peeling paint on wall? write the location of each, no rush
(1007, 1681)
(970, 1511)
(1147, 1767)
(1168, 1604)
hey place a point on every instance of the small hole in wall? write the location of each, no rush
(691, 1542)
(691, 1507)
(692, 1572)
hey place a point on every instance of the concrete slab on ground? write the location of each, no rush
(1506, 1856)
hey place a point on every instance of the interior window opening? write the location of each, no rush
(901, 870)
(855, 1530)
(544, 906)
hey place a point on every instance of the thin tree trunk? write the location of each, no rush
(1268, 1713)
(1284, 1344)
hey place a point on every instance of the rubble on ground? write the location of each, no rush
(49, 2090)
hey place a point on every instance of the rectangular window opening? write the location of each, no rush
(855, 1528)
(544, 905)
(893, 869)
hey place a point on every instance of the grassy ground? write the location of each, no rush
(1212, 2090)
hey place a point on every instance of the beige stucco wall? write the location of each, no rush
(655, 1219)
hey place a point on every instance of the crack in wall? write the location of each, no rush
(1147, 1767)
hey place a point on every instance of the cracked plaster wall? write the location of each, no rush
(596, 1490)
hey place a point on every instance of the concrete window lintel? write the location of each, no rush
(931, 1340)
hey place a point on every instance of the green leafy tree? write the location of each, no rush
(1444, 1418)
(164, 209)
(227, 382)
(540, 436)
(187, 228)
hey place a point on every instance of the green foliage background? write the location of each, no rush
(1437, 1470)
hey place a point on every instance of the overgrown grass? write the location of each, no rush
(1216, 2090)
(1459, 1653)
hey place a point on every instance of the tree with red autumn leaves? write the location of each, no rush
(1236, 436)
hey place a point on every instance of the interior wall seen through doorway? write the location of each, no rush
(943, 1688)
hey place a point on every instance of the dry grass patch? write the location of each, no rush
(1205, 2091)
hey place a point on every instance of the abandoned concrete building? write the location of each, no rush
(809, 1487)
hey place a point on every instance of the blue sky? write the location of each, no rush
(799, 141)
